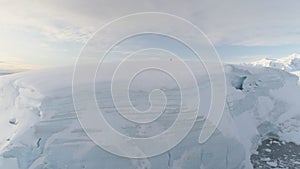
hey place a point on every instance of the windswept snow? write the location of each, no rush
(40, 129)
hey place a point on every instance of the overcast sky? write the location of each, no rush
(47, 33)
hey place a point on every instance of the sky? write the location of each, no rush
(37, 34)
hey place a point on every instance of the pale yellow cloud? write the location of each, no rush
(14, 64)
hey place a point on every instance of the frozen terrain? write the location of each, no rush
(274, 153)
(40, 129)
(290, 63)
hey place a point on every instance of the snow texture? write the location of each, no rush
(40, 129)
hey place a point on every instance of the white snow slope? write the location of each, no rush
(40, 130)
(290, 63)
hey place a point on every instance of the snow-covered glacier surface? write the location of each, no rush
(40, 129)
(289, 63)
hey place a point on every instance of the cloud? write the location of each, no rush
(11, 66)
(64, 22)
(36, 18)
(226, 22)
(230, 22)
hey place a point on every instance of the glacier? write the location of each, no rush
(289, 63)
(40, 128)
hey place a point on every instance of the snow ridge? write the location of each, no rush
(290, 63)
(20, 111)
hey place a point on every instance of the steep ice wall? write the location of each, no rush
(267, 105)
(20, 111)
